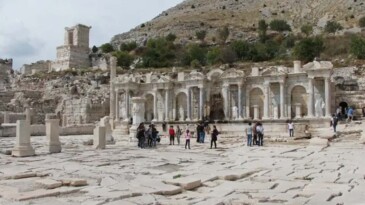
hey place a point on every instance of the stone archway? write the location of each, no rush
(256, 99)
(299, 99)
(344, 107)
(181, 106)
(149, 114)
(216, 107)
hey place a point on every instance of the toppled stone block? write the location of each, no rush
(36, 194)
(186, 183)
(49, 183)
(88, 142)
(317, 141)
(74, 182)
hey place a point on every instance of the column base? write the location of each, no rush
(54, 148)
(23, 151)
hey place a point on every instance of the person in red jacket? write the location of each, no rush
(172, 135)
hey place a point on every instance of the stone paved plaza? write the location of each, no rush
(294, 172)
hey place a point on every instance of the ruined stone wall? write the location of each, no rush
(71, 57)
(99, 63)
(39, 66)
(6, 66)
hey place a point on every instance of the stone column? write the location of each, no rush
(201, 104)
(167, 105)
(113, 73)
(138, 111)
(298, 110)
(188, 102)
(248, 103)
(266, 100)
(282, 100)
(240, 101)
(225, 92)
(155, 107)
(99, 138)
(28, 115)
(22, 147)
(117, 117)
(6, 117)
(127, 105)
(327, 91)
(256, 112)
(310, 97)
(53, 135)
(174, 108)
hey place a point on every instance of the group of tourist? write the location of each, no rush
(255, 134)
(147, 138)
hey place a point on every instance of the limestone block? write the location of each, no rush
(318, 141)
(74, 182)
(255, 71)
(36, 194)
(186, 183)
(53, 133)
(6, 117)
(49, 183)
(99, 138)
(22, 147)
(181, 76)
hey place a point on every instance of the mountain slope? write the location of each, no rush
(241, 16)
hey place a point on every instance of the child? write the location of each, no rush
(172, 135)
(187, 137)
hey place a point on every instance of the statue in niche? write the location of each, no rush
(275, 108)
(319, 105)
(196, 109)
(181, 113)
(160, 109)
(123, 110)
(225, 98)
(234, 112)
(207, 110)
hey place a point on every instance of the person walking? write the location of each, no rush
(260, 134)
(214, 139)
(249, 132)
(291, 128)
(201, 133)
(172, 135)
(187, 139)
(178, 134)
(334, 122)
(141, 135)
(350, 114)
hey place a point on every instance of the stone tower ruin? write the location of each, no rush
(75, 51)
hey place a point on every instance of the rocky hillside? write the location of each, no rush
(241, 16)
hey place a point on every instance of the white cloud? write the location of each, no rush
(30, 30)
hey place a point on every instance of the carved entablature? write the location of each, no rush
(164, 79)
(232, 73)
(194, 75)
(274, 71)
(121, 79)
(318, 65)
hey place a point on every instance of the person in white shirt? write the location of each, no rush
(291, 128)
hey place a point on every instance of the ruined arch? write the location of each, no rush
(298, 95)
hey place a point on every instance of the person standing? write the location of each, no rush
(201, 133)
(197, 133)
(291, 128)
(338, 112)
(249, 132)
(334, 122)
(141, 135)
(178, 134)
(214, 139)
(172, 135)
(260, 134)
(254, 132)
(350, 114)
(154, 135)
(187, 139)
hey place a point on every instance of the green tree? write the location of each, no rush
(223, 34)
(279, 25)
(241, 48)
(332, 27)
(171, 37)
(124, 60)
(228, 55)
(107, 48)
(213, 56)
(158, 53)
(309, 48)
(307, 29)
(94, 49)
(362, 22)
(201, 34)
(357, 47)
(194, 52)
(262, 30)
(129, 46)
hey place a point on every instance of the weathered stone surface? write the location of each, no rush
(23, 148)
(186, 183)
(317, 141)
(49, 183)
(74, 182)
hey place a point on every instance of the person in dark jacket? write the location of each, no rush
(141, 135)
(214, 139)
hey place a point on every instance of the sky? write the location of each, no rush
(30, 30)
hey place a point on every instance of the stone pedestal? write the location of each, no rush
(276, 112)
(99, 138)
(297, 66)
(6, 117)
(298, 110)
(256, 112)
(53, 135)
(22, 147)
(138, 116)
(104, 122)
(28, 115)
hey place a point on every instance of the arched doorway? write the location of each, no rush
(299, 96)
(181, 106)
(149, 114)
(256, 99)
(216, 107)
(343, 105)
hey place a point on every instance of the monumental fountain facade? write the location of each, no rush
(274, 93)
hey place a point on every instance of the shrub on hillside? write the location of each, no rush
(124, 60)
(107, 48)
(129, 46)
(279, 25)
(241, 48)
(201, 35)
(358, 47)
(158, 53)
(223, 34)
(362, 22)
(309, 48)
(193, 52)
(262, 27)
(307, 29)
(213, 56)
(332, 27)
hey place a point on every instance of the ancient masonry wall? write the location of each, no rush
(71, 57)
(39, 66)
(6, 65)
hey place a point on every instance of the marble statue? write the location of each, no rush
(318, 106)
(195, 109)
(276, 112)
(181, 113)
(123, 110)
(160, 110)
(234, 112)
